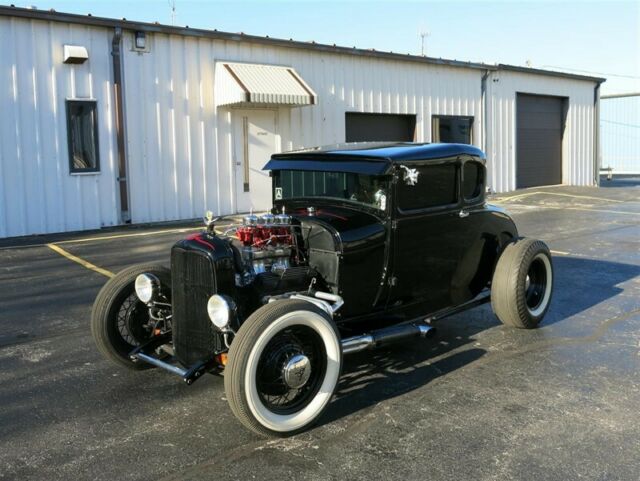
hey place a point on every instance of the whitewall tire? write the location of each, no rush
(522, 283)
(283, 367)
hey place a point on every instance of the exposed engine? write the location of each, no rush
(268, 243)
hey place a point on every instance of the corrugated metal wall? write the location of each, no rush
(37, 193)
(620, 134)
(578, 140)
(181, 151)
(180, 147)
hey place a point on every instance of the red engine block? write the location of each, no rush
(259, 236)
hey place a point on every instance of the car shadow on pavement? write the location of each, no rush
(371, 377)
(582, 283)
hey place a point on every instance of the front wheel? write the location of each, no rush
(120, 322)
(283, 367)
(522, 283)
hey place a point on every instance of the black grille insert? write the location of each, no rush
(195, 339)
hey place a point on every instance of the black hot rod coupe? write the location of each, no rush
(366, 244)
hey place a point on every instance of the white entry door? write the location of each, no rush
(255, 141)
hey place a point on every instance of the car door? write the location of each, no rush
(427, 242)
(477, 242)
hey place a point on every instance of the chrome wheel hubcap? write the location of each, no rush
(297, 371)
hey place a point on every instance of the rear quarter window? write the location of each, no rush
(436, 186)
(472, 179)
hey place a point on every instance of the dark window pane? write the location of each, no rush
(436, 186)
(82, 133)
(472, 180)
(366, 127)
(451, 129)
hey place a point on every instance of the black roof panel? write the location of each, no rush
(372, 158)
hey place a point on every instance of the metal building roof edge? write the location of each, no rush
(52, 15)
(620, 95)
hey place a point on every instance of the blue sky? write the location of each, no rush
(600, 38)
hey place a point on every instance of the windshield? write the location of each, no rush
(360, 188)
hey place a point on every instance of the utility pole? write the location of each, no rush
(423, 34)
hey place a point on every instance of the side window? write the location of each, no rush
(452, 129)
(472, 179)
(436, 186)
(82, 136)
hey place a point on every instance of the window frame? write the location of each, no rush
(435, 132)
(431, 209)
(94, 104)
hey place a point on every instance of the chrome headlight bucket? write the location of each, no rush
(147, 287)
(221, 310)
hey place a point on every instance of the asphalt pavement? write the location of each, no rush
(480, 401)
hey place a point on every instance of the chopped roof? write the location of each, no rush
(373, 158)
(384, 151)
(52, 15)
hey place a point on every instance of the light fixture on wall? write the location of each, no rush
(140, 40)
(75, 54)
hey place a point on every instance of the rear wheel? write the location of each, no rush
(522, 283)
(119, 320)
(283, 367)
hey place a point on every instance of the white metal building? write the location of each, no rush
(620, 126)
(109, 121)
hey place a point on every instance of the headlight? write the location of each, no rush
(219, 311)
(147, 287)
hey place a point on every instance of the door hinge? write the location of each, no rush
(394, 224)
(393, 281)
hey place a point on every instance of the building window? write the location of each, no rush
(452, 129)
(436, 187)
(472, 179)
(367, 127)
(82, 136)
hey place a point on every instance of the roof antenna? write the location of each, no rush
(423, 34)
(172, 4)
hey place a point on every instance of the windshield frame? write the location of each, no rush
(307, 200)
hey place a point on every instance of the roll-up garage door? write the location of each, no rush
(362, 127)
(539, 140)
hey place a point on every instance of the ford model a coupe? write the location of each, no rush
(366, 244)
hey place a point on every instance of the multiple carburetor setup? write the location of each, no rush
(269, 243)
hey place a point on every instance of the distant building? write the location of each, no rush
(620, 133)
(108, 121)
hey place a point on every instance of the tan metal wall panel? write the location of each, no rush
(578, 141)
(620, 124)
(170, 179)
(180, 147)
(37, 193)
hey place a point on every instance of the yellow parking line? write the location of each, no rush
(80, 261)
(527, 194)
(135, 234)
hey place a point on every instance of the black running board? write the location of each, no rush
(418, 328)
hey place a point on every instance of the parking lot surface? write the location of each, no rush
(480, 401)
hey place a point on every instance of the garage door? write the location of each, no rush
(539, 140)
(379, 127)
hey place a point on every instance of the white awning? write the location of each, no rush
(244, 83)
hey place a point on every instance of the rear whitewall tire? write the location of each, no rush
(522, 284)
(245, 354)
